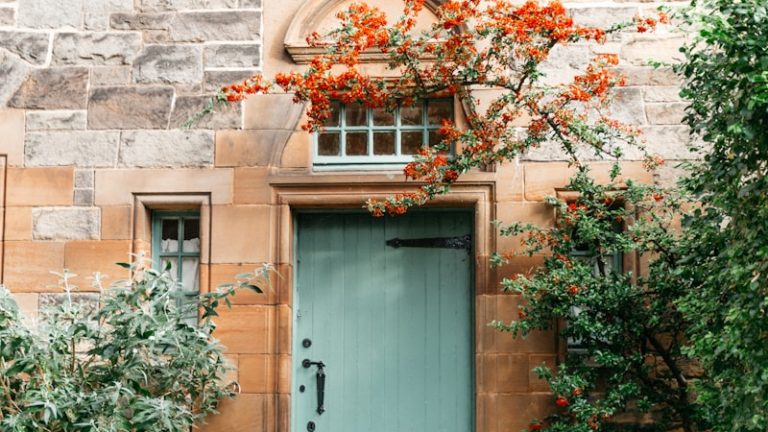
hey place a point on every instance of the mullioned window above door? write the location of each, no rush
(356, 137)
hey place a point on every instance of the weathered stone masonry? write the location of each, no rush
(92, 93)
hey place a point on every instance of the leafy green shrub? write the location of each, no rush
(133, 362)
(627, 334)
(725, 253)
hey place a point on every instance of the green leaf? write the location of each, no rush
(252, 287)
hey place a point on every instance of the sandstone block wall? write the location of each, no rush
(92, 93)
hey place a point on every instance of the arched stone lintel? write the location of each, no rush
(308, 19)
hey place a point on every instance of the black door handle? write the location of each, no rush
(320, 376)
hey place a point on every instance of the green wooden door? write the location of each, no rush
(392, 326)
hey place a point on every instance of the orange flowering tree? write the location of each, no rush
(625, 324)
(494, 45)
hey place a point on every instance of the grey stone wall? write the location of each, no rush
(91, 75)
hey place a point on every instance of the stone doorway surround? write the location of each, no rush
(340, 191)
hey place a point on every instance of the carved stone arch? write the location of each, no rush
(319, 16)
(278, 120)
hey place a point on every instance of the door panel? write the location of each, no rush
(393, 326)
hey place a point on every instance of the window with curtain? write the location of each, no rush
(376, 138)
(176, 245)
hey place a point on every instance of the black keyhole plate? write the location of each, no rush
(311, 426)
(306, 343)
(302, 388)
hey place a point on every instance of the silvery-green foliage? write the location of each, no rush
(134, 362)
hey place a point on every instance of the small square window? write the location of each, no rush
(357, 143)
(382, 117)
(384, 143)
(333, 120)
(356, 115)
(439, 110)
(358, 136)
(329, 144)
(411, 116)
(412, 142)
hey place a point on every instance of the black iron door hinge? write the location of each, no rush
(458, 242)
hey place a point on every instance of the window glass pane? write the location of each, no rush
(328, 144)
(333, 120)
(381, 117)
(357, 143)
(173, 270)
(434, 137)
(356, 115)
(190, 274)
(191, 235)
(384, 143)
(169, 242)
(190, 281)
(410, 142)
(575, 345)
(439, 109)
(410, 115)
